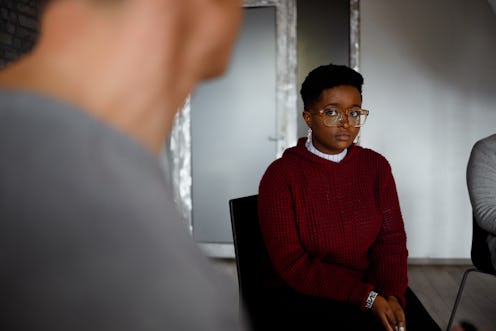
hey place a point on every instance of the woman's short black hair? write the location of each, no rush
(325, 77)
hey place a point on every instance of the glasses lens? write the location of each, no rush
(332, 120)
(358, 120)
(362, 118)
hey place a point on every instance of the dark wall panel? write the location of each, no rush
(323, 36)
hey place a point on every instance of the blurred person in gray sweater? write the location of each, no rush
(90, 238)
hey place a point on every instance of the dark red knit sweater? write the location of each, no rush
(334, 230)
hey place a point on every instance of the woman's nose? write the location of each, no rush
(344, 121)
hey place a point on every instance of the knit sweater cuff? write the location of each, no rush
(360, 294)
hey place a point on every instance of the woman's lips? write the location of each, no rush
(343, 136)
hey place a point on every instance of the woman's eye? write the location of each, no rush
(331, 112)
(355, 113)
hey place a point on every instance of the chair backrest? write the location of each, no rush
(480, 254)
(254, 268)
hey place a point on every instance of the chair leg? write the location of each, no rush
(458, 297)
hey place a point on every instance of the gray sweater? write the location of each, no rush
(481, 182)
(90, 238)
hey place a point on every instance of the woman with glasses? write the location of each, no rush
(332, 224)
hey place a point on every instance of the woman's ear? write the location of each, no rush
(307, 117)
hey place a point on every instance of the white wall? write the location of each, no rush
(430, 84)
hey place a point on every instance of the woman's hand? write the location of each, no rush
(398, 313)
(389, 313)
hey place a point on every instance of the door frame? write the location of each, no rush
(177, 156)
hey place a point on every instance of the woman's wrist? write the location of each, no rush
(369, 302)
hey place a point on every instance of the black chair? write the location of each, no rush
(481, 259)
(254, 269)
(480, 254)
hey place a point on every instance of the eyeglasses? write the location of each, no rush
(333, 117)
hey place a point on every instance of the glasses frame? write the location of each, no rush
(341, 116)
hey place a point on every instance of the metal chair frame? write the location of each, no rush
(481, 260)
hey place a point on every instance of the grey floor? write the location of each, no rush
(437, 287)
